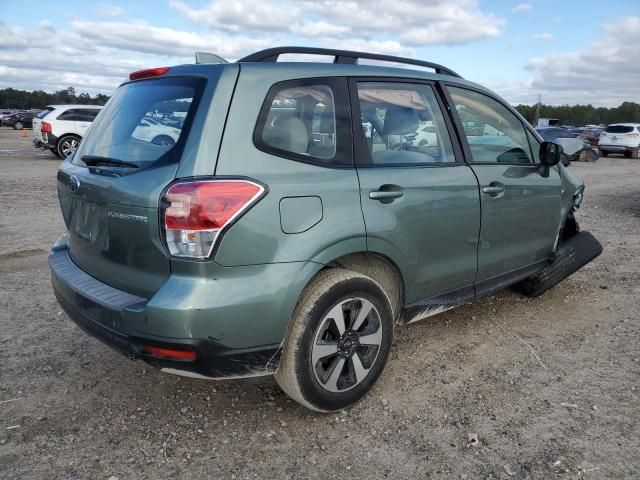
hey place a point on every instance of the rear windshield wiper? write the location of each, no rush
(96, 160)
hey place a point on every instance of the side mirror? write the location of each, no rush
(550, 155)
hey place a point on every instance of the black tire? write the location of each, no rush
(637, 152)
(627, 154)
(67, 144)
(163, 140)
(311, 326)
(18, 126)
(55, 152)
(603, 153)
(571, 256)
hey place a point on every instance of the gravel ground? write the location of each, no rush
(72, 408)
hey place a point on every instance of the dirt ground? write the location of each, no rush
(72, 408)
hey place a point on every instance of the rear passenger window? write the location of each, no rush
(306, 121)
(402, 124)
(494, 133)
(71, 115)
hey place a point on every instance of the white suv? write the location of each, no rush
(61, 127)
(620, 138)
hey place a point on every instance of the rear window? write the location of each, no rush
(619, 129)
(44, 113)
(145, 122)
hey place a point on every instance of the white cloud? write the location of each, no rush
(522, 7)
(141, 37)
(240, 15)
(413, 22)
(108, 10)
(543, 37)
(606, 72)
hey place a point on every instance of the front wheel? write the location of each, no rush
(67, 145)
(338, 342)
(603, 153)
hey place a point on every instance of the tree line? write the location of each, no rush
(24, 100)
(579, 115)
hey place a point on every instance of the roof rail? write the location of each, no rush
(342, 56)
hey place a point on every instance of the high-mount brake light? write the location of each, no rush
(45, 127)
(147, 73)
(198, 211)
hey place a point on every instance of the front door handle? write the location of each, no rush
(385, 194)
(494, 189)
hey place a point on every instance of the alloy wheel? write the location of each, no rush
(346, 344)
(69, 146)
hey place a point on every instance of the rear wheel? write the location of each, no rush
(637, 152)
(55, 152)
(603, 153)
(18, 126)
(67, 145)
(338, 342)
(627, 154)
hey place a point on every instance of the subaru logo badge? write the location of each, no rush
(74, 183)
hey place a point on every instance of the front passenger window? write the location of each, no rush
(494, 133)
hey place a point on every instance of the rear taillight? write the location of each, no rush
(149, 72)
(45, 127)
(632, 134)
(197, 212)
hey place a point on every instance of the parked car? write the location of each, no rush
(60, 128)
(151, 130)
(574, 147)
(587, 135)
(5, 114)
(292, 224)
(620, 138)
(19, 120)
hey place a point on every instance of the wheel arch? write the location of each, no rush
(381, 269)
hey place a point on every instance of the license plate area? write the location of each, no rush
(85, 220)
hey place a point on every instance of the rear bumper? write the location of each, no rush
(51, 142)
(111, 316)
(618, 148)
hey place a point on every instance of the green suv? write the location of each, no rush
(300, 212)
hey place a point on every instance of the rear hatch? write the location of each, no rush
(110, 189)
(37, 123)
(618, 135)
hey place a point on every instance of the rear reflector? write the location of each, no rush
(198, 211)
(170, 353)
(149, 72)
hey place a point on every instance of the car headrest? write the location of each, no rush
(400, 121)
(287, 133)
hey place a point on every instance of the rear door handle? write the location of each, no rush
(385, 194)
(493, 189)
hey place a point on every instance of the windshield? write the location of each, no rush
(144, 122)
(619, 129)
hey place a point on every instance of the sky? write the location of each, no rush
(566, 51)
